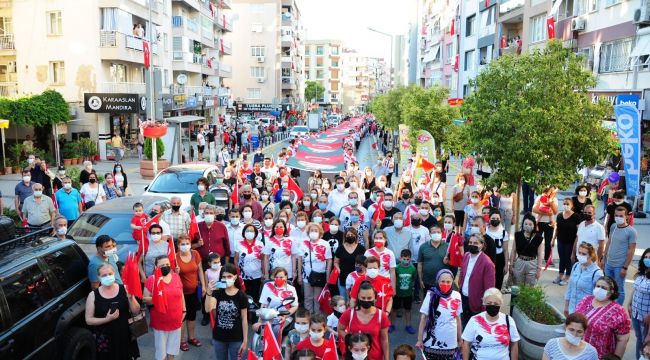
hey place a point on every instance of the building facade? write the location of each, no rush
(323, 64)
(363, 78)
(268, 68)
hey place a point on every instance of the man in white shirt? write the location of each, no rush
(200, 144)
(235, 228)
(338, 198)
(590, 231)
(419, 234)
(400, 237)
(353, 201)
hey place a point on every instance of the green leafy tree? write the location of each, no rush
(388, 107)
(314, 90)
(530, 118)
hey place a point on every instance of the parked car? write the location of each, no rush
(298, 130)
(43, 290)
(180, 180)
(112, 218)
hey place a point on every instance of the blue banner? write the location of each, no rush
(628, 128)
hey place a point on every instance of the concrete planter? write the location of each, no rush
(146, 167)
(535, 335)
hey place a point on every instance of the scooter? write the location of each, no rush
(267, 315)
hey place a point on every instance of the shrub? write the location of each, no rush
(13, 215)
(70, 150)
(532, 302)
(160, 148)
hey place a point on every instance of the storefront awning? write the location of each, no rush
(184, 119)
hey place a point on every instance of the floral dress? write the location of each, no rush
(605, 323)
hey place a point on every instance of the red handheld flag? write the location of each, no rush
(380, 211)
(294, 188)
(272, 350)
(131, 276)
(234, 197)
(194, 226)
(251, 355)
(425, 164)
(334, 276)
(171, 252)
(330, 352)
(159, 300)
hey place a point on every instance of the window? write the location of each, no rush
(335, 63)
(335, 51)
(26, 291)
(254, 94)
(612, 2)
(54, 24)
(118, 72)
(470, 25)
(307, 50)
(5, 26)
(320, 74)
(319, 50)
(307, 62)
(588, 57)
(538, 28)
(614, 55)
(449, 52)
(319, 62)
(258, 51)
(67, 266)
(257, 71)
(484, 55)
(57, 73)
(286, 72)
(469, 60)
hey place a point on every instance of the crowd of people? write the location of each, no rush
(354, 252)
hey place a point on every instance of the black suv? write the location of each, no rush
(43, 290)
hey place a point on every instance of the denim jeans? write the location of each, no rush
(343, 291)
(641, 332)
(615, 273)
(225, 350)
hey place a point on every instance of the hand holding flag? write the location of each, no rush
(159, 300)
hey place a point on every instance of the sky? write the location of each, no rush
(348, 20)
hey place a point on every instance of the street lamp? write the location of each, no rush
(391, 50)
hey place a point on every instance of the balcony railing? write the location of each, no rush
(222, 20)
(225, 70)
(7, 42)
(124, 87)
(224, 46)
(225, 4)
(115, 39)
(8, 89)
(506, 6)
(185, 22)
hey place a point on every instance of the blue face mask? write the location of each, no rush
(322, 206)
(107, 280)
(646, 262)
(354, 218)
(358, 268)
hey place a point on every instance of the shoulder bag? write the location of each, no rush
(315, 279)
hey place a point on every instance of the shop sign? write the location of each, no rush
(258, 107)
(632, 100)
(209, 102)
(111, 103)
(611, 96)
(167, 102)
(191, 102)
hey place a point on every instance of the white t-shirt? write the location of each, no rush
(337, 200)
(297, 234)
(470, 268)
(272, 296)
(363, 214)
(443, 335)
(200, 139)
(280, 251)
(332, 321)
(495, 336)
(234, 234)
(591, 234)
(350, 280)
(250, 261)
(90, 194)
(500, 238)
(386, 260)
(314, 254)
(419, 236)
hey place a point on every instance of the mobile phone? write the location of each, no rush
(114, 305)
(220, 285)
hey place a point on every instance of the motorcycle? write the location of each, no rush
(268, 315)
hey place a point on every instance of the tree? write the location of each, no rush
(530, 118)
(388, 108)
(314, 90)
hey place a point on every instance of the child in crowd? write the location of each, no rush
(303, 355)
(138, 222)
(405, 274)
(381, 284)
(299, 332)
(338, 305)
(316, 340)
(212, 272)
(360, 265)
(404, 352)
(357, 346)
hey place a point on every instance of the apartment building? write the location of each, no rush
(323, 64)
(268, 69)
(93, 53)
(363, 78)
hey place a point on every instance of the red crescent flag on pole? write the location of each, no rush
(159, 300)
(194, 226)
(293, 187)
(171, 253)
(330, 352)
(503, 41)
(453, 28)
(251, 355)
(380, 212)
(550, 27)
(147, 55)
(131, 276)
(425, 164)
(234, 197)
(272, 350)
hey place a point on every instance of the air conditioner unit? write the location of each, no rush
(261, 79)
(260, 59)
(578, 24)
(11, 66)
(642, 15)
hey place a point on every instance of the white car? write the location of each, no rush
(297, 131)
(180, 180)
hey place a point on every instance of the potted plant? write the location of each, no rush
(8, 167)
(68, 153)
(87, 148)
(537, 320)
(146, 166)
(153, 129)
(16, 151)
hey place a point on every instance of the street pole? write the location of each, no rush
(152, 110)
(391, 52)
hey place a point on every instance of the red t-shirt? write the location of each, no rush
(189, 273)
(350, 321)
(318, 350)
(173, 318)
(138, 221)
(381, 284)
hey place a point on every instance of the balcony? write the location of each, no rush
(286, 61)
(223, 21)
(117, 46)
(225, 4)
(184, 26)
(208, 9)
(225, 71)
(139, 8)
(124, 87)
(287, 19)
(7, 44)
(186, 61)
(288, 83)
(195, 4)
(510, 10)
(210, 67)
(287, 40)
(8, 89)
(287, 3)
(224, 46)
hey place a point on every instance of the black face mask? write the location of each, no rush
(588, 217)
(219, 217)
(473, 249)
(92, 181)
(495, 223)
(492, 310)
(350, 239)
(366, 304)
(416, 222)
(175, 208)
(417, 202)
(247, 196)
(165, 270)
(405, 196)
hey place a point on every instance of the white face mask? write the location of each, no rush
(317, 219)
(581, 258)
(340, 187)
(388, 204)
(229, 282)
(268, 222)
(334, 228)
(110, 252)
(314, 235)
(398, 223)
(448, 226)
(62, 230)
(215, 267)
(341, 308)
(353, 185)
(620, 220)
(359, 356)
(567, 207)
(265, 197)
(27, 178)
(372, 273)
(247, 215)
(301, 328)
(185, 248)
(306, 203)
(572, 339)
(201, 187)
(67, 186)
(301, 224)
(436, 236)
(600, 294)
(582, 193)
(234, 222)
(316, 335)
(209, 218)
(156, 237)
(474, 200)
(38, 193)
(423, 212)
(249, 235)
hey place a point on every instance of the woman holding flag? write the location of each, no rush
(164, 291)
(152, 248)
